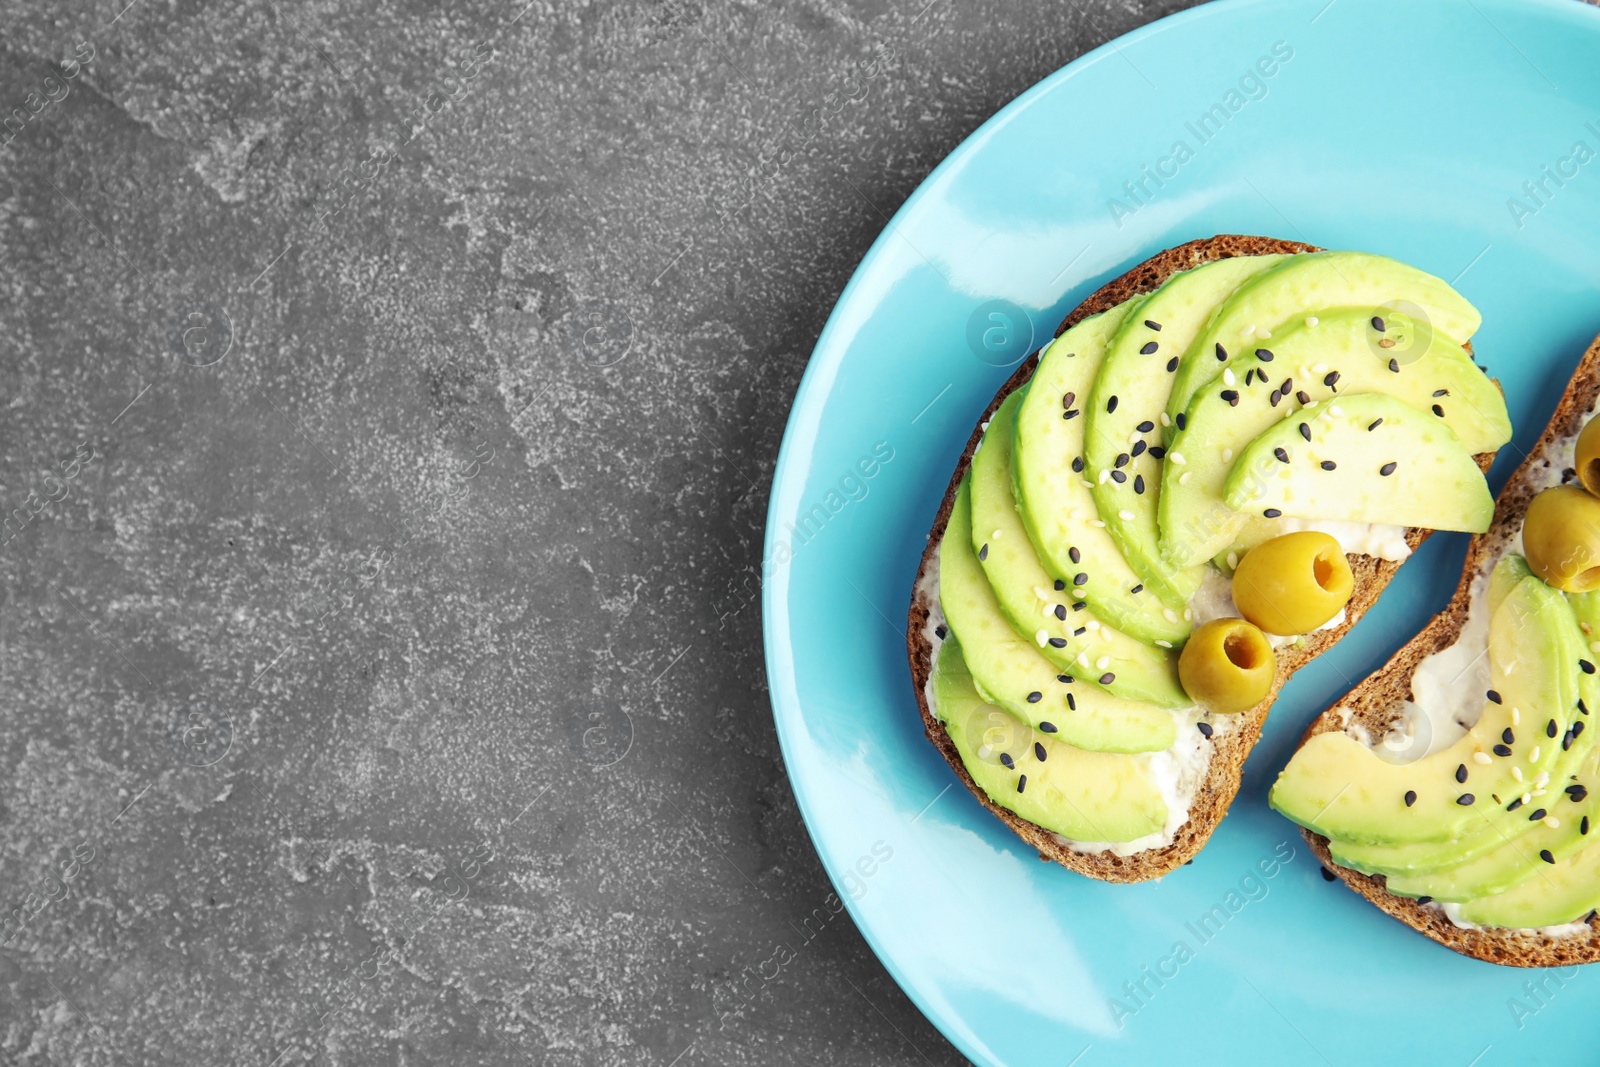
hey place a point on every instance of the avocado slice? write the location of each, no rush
(1340, 788)
(1365, 457)
(1138, 371)
(1065, 630)
(1509, 818)
(1009, 671)
(1084, 796)
(1332, 355)
(1052, 484)
(1303, 285)
(1562, 892)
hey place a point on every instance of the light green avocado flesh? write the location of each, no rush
(1562, 892)
(1340, 788)
(1364, 457)
(1065, 630)
(1338, 354)
(1084, 796)
(1010, 672)
(1057, 505)
(1138, 371)
(1304, 285)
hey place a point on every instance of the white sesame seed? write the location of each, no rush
(1183, 479)
(1176, 457)
(1516, 772)
(1265, 335)
(1092, 625)
(1105, 635)
(1079, 593)
(1167, 421)
(1543, 779)
(1083, 659)
(1097, 524)
(1335, 409)
(1105, 476)
(1533, 757)
(1481, 757)
(1169, 614)
(1227, 454)
(1233, 561)
(1250, 329)
(1163, 644)
(1039, 591)
(1516, 716)
(1188, 615)
(1133, 437)
(1228, 377)
(1087, 484)
(1312, 320)
(1042, 637)
(1125, 515)
(1552, 822)
(1102, 663)
(998, 534)
(1537, 793)
(1319, 368)
(1527, 797)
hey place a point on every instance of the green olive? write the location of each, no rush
(1294, 583)
(1227, 665)
(1561, 538)
(1587, 457)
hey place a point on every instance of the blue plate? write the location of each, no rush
(1460, 137)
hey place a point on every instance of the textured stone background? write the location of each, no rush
(390, 395)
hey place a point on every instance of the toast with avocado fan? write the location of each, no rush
(1541, 876)
(1207, 754)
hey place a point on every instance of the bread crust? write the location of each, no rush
(1373, 703)
(1221, 783)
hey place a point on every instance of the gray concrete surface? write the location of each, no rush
(390, 391)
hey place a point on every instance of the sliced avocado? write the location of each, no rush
(1084, 796)
(1508, 818)
(1304, 285)
(1340, 788)
(1053, 488)
(1009, 671)
(1038, 604)
(1339, 353)
(1513, 838)
(1561, 892)
(1366, 457)
(1128, 435)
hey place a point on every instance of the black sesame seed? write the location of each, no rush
(1158, 452)
(1583, 827)
(1107, 678)
(1074, 555)
(1222, 353)
(1077, 464)
(1545, 855)
(1441, 392)
(1514, 805)
(1305, 431)
(1064, 679)
(1139, 448)
(1022, 782)
(1466, 800)
(1374, 424)
(1070, 414)
(1154, 325)
(1005, 758)
(1327, 464)
(1072, 702)
(1394, 365)
(1331, 379)
(1111, 405)
(1328, 876)
(1272, 513)
(1181, 421)
(1576, 793)
(1282, 454)
(1061, 612)
(1501, 750)
(1138, 483)
(1136, 590)
(1424, 900)
(1121, 460)
(1080, 631)
(1079, 606)
(1461, 773)
(983, 553)
(1204, 728)
(1576, 728)
(1549, 727)
(1566, 740)
(1231, 396)
(1377, 324)
(1038, 751)
(1507, 736)
(1264, 355)
(1411, 797)
(1080, 577)
(1035, 696)
(1495, 697)
(939, 632)
(1067, 399)
(1060, 585)
(1047, 727)
(1538, 813)
(1583, 707)
(1287, 387)
(1058, 642)
(1118, 477)
(1387, 469)
(1586, 666)
(1172, 364)
(1439, 411)
(1146, 426)
(1302, 396)
(1273, 398)
(1148, 348)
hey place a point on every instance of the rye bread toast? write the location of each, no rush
(1221, 782)
(1373, 705)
